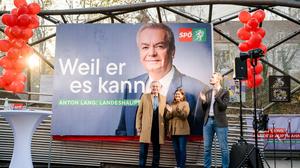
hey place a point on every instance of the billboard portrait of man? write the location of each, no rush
(156, 44)
(101, 71)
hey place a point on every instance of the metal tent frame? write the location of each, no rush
(114, 11)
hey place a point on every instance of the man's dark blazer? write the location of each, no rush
(192, 88)
(220, 106)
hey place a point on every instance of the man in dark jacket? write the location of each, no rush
(214, 103)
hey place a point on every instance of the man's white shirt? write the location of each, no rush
(165, 82)
(213, 93)
(211, 108)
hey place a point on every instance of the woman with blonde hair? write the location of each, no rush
(178, 126)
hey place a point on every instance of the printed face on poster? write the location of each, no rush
(101, 71)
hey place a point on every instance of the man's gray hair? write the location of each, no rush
(169, 33)
(155, 81)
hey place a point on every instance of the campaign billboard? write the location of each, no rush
(100, 76)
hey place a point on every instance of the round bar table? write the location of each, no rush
(23, 124)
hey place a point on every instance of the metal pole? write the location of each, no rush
(255, 115)
(210, 13)
(274, 151)
(241, 111)
(290, 134)
(159, 14)
(215, 151)
(28, 84)
(50, 150)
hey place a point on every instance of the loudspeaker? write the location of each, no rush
(240, 68)
(243, 154)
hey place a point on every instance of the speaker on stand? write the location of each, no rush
(242, 154)
(240, 69)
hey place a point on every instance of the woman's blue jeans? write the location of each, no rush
(179, 145)
(208, 133)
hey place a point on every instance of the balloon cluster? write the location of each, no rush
(20, 23)
(253, 35)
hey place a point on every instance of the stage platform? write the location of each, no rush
(280, 163)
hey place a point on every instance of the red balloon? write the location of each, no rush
(249, 65)
(3, 61)
(253, 23)
(27, 34)
(249, 69)
(6, 63)
(4, 45)
(243, 47)
(244, 16)
(34, 22)
(16, 31)
(250, 84)
(5, 17)
(249, 61)
(7, 31)
(249, 29)
(263, 47)
(18, 43)
(253, 61)
(243, 34)
(259, 67)
(9, 20)
(26, 51)
(20, 64)
(261, 32)
(21, 77)
(17, 86)
(256, 38)
(19, 3)
(9, 75)
(258, 81)
(34, 8)
(23, 10)
(13, 53)
(250, 73)
(24, 20)
(250, 44)
(2, 83)
(20, 87)
(259, 15)
(254, 41)
(14, 11)
(7, 87)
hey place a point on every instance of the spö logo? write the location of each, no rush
(192, 34)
